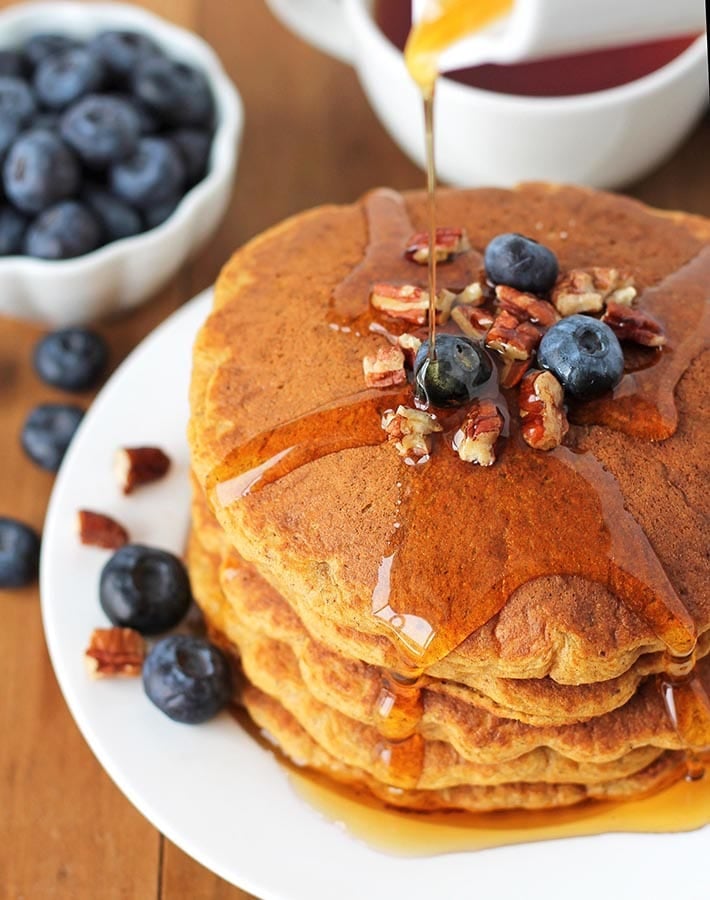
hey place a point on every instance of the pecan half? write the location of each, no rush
(542, 409)
(448, 241)
(513, 371)
(473, 321)
(385, 368)
(136, 466)
(512, 338)
(99, 530)
(406, 301)
(114, 652)
(409, 344)
(526, 307)
(587, 290)
(633, 325)
(475, 440)
(409, 430)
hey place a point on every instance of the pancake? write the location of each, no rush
(534, 603)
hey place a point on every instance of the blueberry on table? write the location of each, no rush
(522, 263)
(48, 431)
(179, 93)
(11, 63)
(19, 553)
(122, 51)
(39, 170)
(12, 231)
(63, 231)
(153, 175)
(194, 146)
(456, 374)
(73, 359)
(101, 130)
(145, 589)
(62, 79)
(117, 219)
(584, 355)
(17, 101)
(187, 678)
(40, 46)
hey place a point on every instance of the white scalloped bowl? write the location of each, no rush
(124, 273)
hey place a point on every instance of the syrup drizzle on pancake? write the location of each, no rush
(478, 568)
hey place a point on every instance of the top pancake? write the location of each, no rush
(268, 355)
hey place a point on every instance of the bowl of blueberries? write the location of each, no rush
(119, 136)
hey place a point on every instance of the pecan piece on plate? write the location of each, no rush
(136, 466)
(471, 295)
(99, 530)
(409, 430)
(526, 307)
(114, 652)
(448, 242)
(385, 368)
(542, 410)
(405, 301)
(512, 338)
(633, 325)
(587, 290)
(475, 440)
(473, 321)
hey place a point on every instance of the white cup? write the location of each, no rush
(604, 139)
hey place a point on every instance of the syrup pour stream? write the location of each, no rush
(428, 612)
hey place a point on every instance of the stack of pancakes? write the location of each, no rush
(555, 698)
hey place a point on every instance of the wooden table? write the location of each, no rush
(65, 829)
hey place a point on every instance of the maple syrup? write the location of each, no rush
(583, 73)
(425, 623)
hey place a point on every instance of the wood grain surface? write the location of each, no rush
(65, 829)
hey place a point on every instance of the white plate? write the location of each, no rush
(211, 789)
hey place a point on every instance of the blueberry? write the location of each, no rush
(12, 231)
(62, 79)
(101, 130)
(19, 553)
(41, 46)
(148, 120)
(179, 93)
(152, 176)
(194, 146)
(454, 377)
(48, 431)
(187, 678)
(9, 130)
(118, 219)
(39, 170)
(11, 63)
(122, 51)
(156, 215)
(145, 589)
(73, 359)
(521, 263)
(16, 100)
(584, 355)
(63, 231)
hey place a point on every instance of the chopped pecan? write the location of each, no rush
(448, 241)
(444, 302)
(541, 402)
(385, 368)
(587, 290)
(405, 301)
(409, 429)
(136, 466)
(513, 370)
(526, 306)
(633, 325)
(114, 651)
(473, 321)
(99, 530)
(512, 338)
(471, 295)
(409, 345)
(475, 440)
